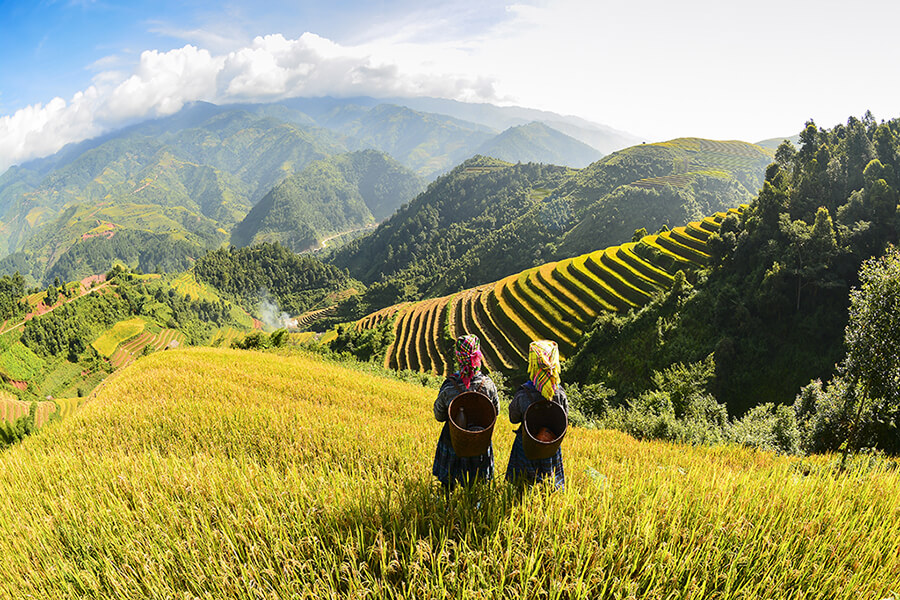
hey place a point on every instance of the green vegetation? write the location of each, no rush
(773, 306)
(246, 276)
(337, 194)
(273, 446)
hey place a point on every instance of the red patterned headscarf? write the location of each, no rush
(468, 358)
(543, 367)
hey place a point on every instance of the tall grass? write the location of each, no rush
(206, 473)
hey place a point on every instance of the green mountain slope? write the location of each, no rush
(667, 184)
(488, 219)
(209, 173)
(773, 307)
(337, 194)
(536, 142)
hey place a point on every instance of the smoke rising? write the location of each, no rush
(271, 314)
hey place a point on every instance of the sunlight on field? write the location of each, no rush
(225, 473)
(107, 343)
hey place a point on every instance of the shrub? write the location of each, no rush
(768, 427)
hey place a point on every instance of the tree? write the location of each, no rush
(872, 364)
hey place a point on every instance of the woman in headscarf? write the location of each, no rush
(543, 384)
(449, 468)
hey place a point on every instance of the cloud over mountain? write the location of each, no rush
(271, 68)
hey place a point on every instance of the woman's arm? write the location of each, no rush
(517, 406)
(562, 400)
(442, 402)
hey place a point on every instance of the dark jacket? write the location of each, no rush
(453, 386)
(526, 395)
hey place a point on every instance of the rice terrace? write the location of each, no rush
(470, 300)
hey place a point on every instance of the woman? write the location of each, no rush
(449, 468)
(543, 373)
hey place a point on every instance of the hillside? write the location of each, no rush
(333, 195)
(229, 474)
(63, 341)
(212, 164)
(488, 219)
(536, 142)
(773, 307)
(557, 300)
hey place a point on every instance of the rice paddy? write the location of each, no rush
(107, 343)
(211, 473)
(556, 301)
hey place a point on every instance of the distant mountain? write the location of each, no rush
(603, 138)
(487, 218)
(536, 142)
(773, 143)
(194, 175)
(333, 195)
(426, 143)
(215, 170)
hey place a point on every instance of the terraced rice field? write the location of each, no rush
(187, 285)
(306, 318)
(12, 409)
(224, 336)
(127, 353)
(555, 301)
(107, 343)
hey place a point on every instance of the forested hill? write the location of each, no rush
(773, 307)
(336, 194)
(488, 219)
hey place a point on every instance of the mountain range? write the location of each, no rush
(195, 175)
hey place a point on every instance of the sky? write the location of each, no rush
(660, 69)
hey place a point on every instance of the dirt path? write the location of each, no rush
(324, 242)
(32, 315)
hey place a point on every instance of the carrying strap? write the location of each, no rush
(461, 390)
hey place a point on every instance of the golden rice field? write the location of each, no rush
(12, 409)
(555, 301)
(107, 343)
(186, 284)
(213, 473)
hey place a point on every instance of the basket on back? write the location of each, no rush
(543, 415)
(472, 419)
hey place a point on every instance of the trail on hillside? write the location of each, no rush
(33, 314)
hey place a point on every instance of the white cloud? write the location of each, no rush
(700, 67)
(270, 68)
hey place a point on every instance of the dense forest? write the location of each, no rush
(770, 313)
(141, 250)
(248, 275)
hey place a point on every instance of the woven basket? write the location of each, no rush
(543, 414)
(479, 411)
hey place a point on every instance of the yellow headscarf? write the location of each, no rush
(543, 367)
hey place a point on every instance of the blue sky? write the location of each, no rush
(72, 69)
(53, 47)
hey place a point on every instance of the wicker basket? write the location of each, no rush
(543, 414)
(478, 410)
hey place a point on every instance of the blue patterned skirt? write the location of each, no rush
(451, 469)
(521, 468)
